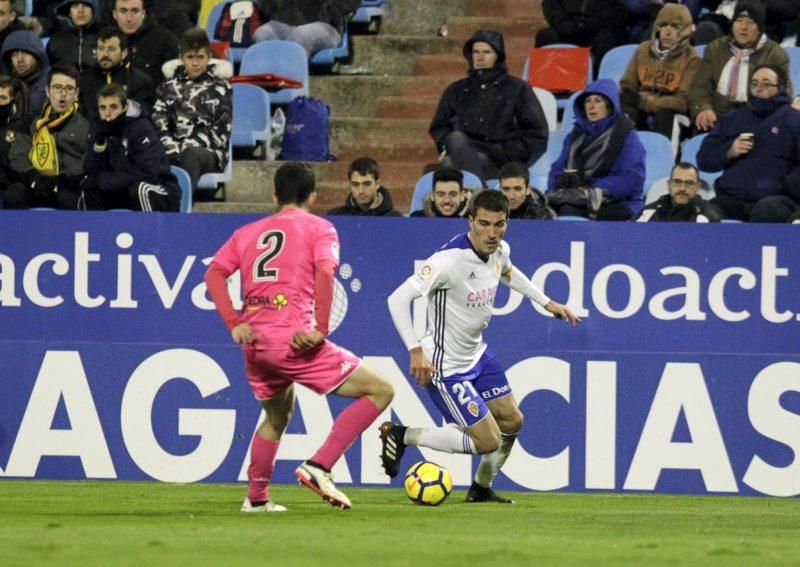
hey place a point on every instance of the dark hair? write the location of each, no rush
(194, 39)
(779, 72)
(114, 90)
(19, 94)
(294, 182)
(515, 169)
(364, 166)
(685, 165)
(109, 32)
(62, 69)
(489, 200)
(444, 173)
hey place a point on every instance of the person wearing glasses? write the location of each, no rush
(682, 203)
(758, 150)
(47, 156)
(656, 82)
(23, 57)
(721, 82)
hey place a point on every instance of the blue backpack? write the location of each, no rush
(305, 137)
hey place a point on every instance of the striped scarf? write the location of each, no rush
(735, 75)
(44, 151)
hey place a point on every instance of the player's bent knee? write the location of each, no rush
(513, 424)
(490, 444)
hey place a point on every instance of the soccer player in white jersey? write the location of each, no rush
(461, 374)
(287, 262)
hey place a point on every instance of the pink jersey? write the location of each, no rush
(276, 257)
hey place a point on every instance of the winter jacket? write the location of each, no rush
(642, 14)
(297, 13)
(492, 106)
(625, 178)
(772, 166)
(703, 93)
(429, 209)
(384, 209)
(72, 45)
(171, 15)
(70, 141)
(150, 47)
(135, 156)
(652, 83)
(580, 20)
(26, 40)
(534, 207)
(195, 113)
(140, 86)
(663, 210)
(16, 25)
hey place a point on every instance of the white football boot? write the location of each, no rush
(269, 506)
(322, 483)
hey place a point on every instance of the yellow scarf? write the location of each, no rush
(44, 153)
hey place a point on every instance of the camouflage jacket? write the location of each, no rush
(195, 113)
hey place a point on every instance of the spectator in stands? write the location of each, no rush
(778, 15)
(643, 13)
(367, 196)
(149, 45)
(75, 43)
(656, 82)
(600, 172)
(23, 57)
(173, 15)
(47, 157)
(126, 165)
(682, 203)
(721, 81)
(758, 149)
(526, 202)
(44, 11)
(489, 118)
(448, 197)
(313, 24)
(599, 24)
(8, 20)
(12, 101)
(112, 66)
(193, 108)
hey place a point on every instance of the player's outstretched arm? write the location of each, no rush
(562, 312)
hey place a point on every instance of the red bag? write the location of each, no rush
(221, 49)
(560, 70)
(267, 81)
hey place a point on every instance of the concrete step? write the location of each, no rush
(384, 130)
(503, 8)
(455, 67)
(418, 17)
(462, 27)
(407, 107)
(419, 151)
(394, 54)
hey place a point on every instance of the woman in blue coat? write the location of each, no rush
(603, 154)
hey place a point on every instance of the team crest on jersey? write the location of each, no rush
(426, 271)
(473, 409)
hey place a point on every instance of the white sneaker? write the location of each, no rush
(321, 482)
(270, 506)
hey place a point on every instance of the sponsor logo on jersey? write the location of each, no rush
(473, 409)
(496, 391)
(472, 276)
(256, 302)
(482, 297)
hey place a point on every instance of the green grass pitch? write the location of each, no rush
(153, 524)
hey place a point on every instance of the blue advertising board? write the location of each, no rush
(684, 376)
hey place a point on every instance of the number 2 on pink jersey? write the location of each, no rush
(273, 241)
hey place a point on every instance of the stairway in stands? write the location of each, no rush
(385, 114)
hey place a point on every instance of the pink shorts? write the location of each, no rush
(322, 369)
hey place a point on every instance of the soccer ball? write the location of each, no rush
(428, 484)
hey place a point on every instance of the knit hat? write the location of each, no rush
(753, 9)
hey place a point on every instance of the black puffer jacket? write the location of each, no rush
(72, 45)
(384, 209)
(492, 106)
(696, 210)
(534, 207)
(582, 18)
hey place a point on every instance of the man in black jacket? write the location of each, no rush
(149, 45)
(313, 24)
(367, 197)
(75, 42)
(682, 204)
(126, 165)
(489, 118)
(526, 202)
(112, 66)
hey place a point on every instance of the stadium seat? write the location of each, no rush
(568, 117)
(283, 58)
(615, 61)
(689, 151)
(659, 158)
(209, 183)
(541, 169)
(425, 185)
(572, 218)
(236, 53)
(251, 117)
(700, 49)
(186, 188)
(370, 15)
(794, 67)
(561, 100)
(328, 58)
(549, 107)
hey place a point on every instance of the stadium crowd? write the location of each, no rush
(710, 75)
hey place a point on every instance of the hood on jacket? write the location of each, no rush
(670, 14)
(220, 68)
(493, 38)
(610, 91)
(24, 40)
(62, 11)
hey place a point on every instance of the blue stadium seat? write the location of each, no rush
(211, 25)
(210, 182)
(327, 58)
(370, 14)
(251, 117)
(689, 151)
(572, 218)
(186, 188)
(568, 117)
(615, 61)
(283, 58)
(425, 185)
(541, 169)
(549, 107)
(700, 49)
(659, 158)
(794, 67)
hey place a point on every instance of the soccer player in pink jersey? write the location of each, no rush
(287, 264)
